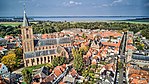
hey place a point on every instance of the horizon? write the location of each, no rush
(73, 16)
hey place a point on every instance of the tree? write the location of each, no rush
(145, 33)
(84, 36)
(19, 52)
(58, 61)
(84, 49)
(27, 76)
(74, 52)
(49, 65)
(11, 52)
(78, 61)
(1, 55)
(9, 60)
(140, 47)
(120, 65)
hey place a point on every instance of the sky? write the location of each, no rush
(75, 7)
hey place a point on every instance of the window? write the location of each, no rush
(27, 61)
(27, 32)
(27, 36)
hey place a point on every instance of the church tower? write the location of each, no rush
(27, 35)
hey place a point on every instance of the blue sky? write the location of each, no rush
(75, 7)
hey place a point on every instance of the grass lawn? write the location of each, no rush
(31, 68)
(10, 23)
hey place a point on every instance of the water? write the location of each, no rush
(87, 18)
(80, 18)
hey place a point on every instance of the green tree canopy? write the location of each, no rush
(78, 61)
(10, 61)
(19, 52)
(58, 61)
(27, 76)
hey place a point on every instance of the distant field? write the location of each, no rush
(10, 23)
(19, 23)
(137, 22)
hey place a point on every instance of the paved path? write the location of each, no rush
(18, 71)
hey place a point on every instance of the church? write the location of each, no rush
(40, 51)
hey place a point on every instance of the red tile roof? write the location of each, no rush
(73, 72)
(130, 47)
(110, 33)
(130, 41)
(109, 66)
(111, 44)
(1, 48)
(57, 71)
(138, 74)
(44, 36)
(94, 62)
(49, 78)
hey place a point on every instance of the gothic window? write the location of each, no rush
(27, 61)
(37, 60)
(51, 57)
(41, 59)
(45, 59)
(28, 46)
(48, 59)
(27, 30)
(27, 33)
(33, 60)
(27, 36)
(54, 56)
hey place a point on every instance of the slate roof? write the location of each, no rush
(140, 57)
(25, 20)
(51, 41)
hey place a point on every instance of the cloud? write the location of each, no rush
(26, 1)
(115, 2)
(147, 5)
(72, 3)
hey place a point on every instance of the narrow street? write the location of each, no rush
(120, 77)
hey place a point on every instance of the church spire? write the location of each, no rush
(25, 19)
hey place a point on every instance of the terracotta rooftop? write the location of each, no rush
(73, 72)
(49, 78)
(1, 48)
(138, 74)
(94, 62)
(110, 33)
(130, 47)
(44, 36)
(57, 71)
(111, 44)
(109, 66)
(129, 41)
